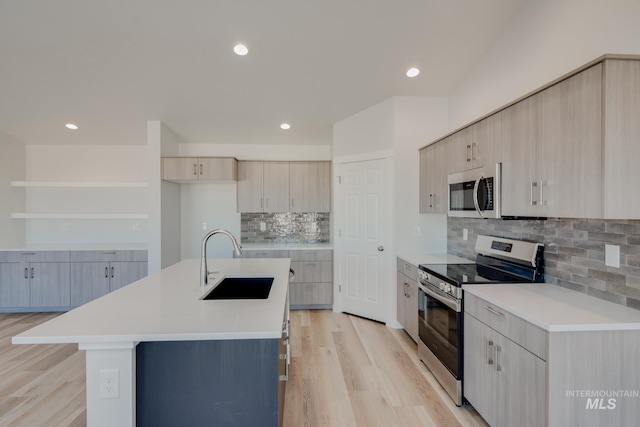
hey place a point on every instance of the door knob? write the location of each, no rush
(381, 248)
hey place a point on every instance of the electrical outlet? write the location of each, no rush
(263, 226)
(416, 231)
(109, 383)
(465, 234)
(205, 226)
(612, 255)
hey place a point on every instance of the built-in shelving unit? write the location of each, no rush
(70, 184)
(79, 185)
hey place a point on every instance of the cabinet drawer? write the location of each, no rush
(43, 256)
(310, 272)
(527, 335)
(106, 255)
(408, 270)
(310, 293)
(317, 255)
(264, 253)
(9, 256)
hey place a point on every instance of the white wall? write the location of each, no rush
(545, 40)
(12, 168)
(400, 125)
(85, 164)
(417, 120)
(171, 210)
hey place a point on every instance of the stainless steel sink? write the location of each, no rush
(241, 287)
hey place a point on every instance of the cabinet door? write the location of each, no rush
(250, 187)
(49, 284)
(571, 148)
(89, 280)
(276, 186)
(433, 179)
(14, 285)
(310, 294)
(621, 137)
(401, 295)
(486, 142)
(480, 384)
(460, 151)
(411, 310)
(217, 169)
(124, 273)
(310, 186)
(180, 168)
(522, 380)
(521, 136)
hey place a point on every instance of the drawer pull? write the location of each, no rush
(108, 253)
(489, 352)
(498, 350)
(494, 311)
(106, 272)
(26, 273)
(28, 253)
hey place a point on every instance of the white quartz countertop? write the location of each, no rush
(554, 308)
(417, 259)
(166, 307)
(287, 246)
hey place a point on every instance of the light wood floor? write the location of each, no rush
(345, 371)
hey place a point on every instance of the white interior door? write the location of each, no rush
(363, 271)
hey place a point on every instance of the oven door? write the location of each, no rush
(440, 327)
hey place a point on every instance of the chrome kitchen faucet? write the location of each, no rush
(204, 271)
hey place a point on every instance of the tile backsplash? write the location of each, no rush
(574, 251)
(285, 227)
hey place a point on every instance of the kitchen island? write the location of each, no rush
(155, 351)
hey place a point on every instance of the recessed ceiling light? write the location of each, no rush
(285, 126)
(71, 126)
(240, 49)
(412, 72)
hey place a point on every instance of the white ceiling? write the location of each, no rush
(109, 66)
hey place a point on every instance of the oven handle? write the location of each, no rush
(453, 304)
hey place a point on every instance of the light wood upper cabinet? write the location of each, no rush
(553, 149)
(622, 139)
(310, 186)
(276, 187)
(263, 186)
(433, 178)
(189, 169)
(477, 145)
(284, 186)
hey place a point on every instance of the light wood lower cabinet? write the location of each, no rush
(504, 382)
(311, 286)
(517, 374)
(407, 298)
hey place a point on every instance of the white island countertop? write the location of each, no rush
(557, 309)
(166, 307)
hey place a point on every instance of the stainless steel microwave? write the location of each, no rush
(476, 193)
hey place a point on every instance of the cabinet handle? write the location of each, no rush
(108, 253)
(112, 271)
(430, 200)
(468, 148)
(194, 169)
(542, 201)
(32, 272)
(261, 203)
(489, 352)
(266, 203)
(473, 154)
(106, 272)
(200, 168)
(292, 202)
(26, 273)
(533, 202)
(28, 253)
(498, 350)
(494, 311)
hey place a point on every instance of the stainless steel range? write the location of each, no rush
(441, 301)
